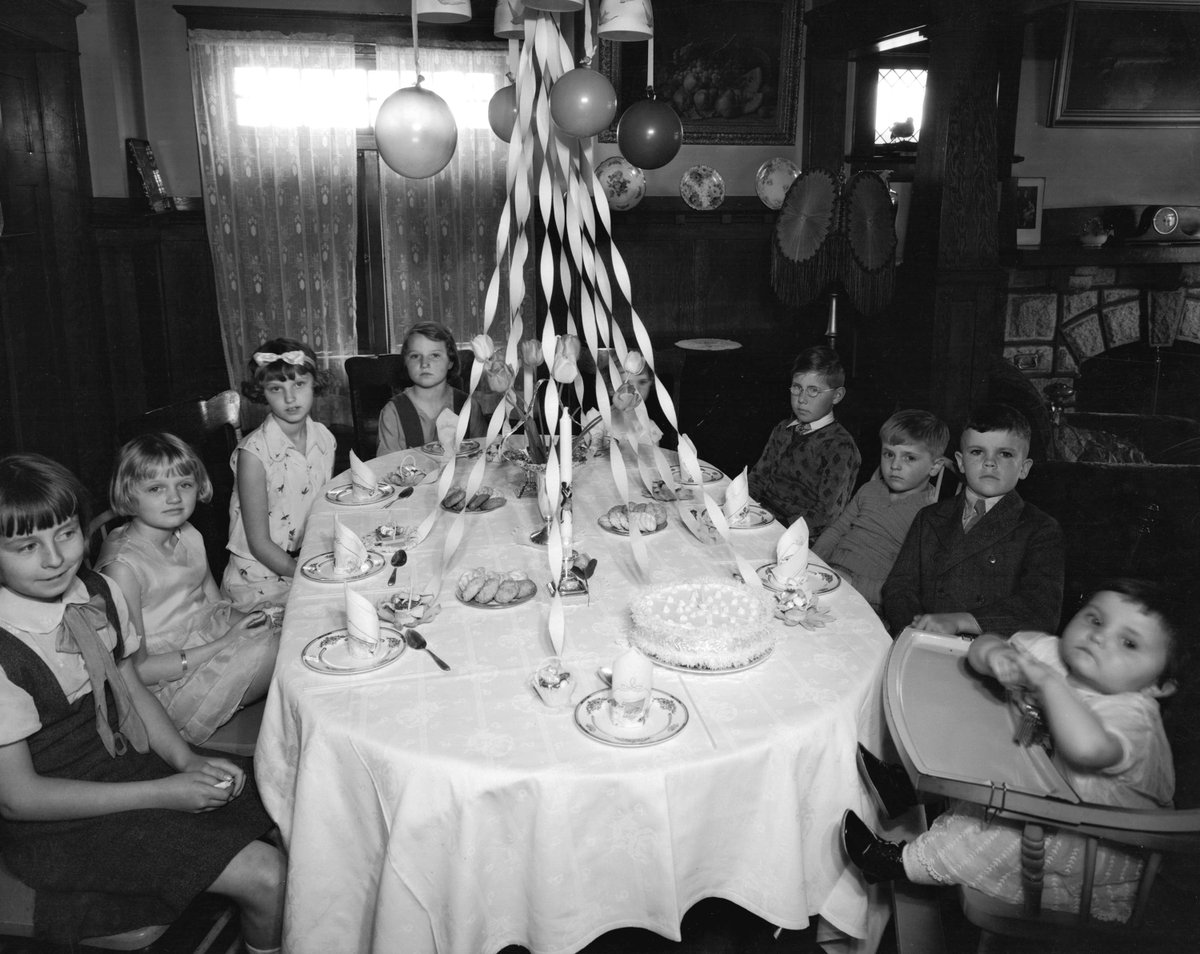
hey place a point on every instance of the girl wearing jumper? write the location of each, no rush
(1098, 688)
(202, 658)
(410, 418)
(281, 467)
(105, 811)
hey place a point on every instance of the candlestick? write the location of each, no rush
(528, 390)
(564, 447)
(566, 522)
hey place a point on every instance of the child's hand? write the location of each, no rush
(1004, 662)
(256, 622)
(194, 791)
(1034, 673)
(220, 772)
(950, 624)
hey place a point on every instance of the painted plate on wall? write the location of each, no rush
(623, 182)
(774, 178)
(702, 188)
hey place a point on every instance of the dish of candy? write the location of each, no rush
(407, 609)
(413, 471)
(483, 500)
(389, 536)
(491, 590)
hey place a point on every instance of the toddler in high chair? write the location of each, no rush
(202, 658)
(105, 811)
(1098, 688)
(410, 418)
(281, 466)
(863, 542)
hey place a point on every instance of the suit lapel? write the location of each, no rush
(998, 523)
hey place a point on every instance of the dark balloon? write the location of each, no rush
(502, 112)
(583, 102)
(649, 134)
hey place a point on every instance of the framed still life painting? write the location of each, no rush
(729, 69)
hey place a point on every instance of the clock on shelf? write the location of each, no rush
(1168, 223)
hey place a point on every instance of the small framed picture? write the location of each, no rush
(1030, 194)
(144, 171)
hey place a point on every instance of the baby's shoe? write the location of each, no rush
(877, 859)
(888, 784)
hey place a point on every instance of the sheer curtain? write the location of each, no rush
(439, 234)
(277, 159)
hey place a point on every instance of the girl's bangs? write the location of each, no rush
(26, 509)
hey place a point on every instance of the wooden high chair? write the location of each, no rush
(954, 732)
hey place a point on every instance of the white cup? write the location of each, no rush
(553, 686)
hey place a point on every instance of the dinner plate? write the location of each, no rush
(774, 178)
(494, 605)
(702, 188)
(472, 513)
(344, 494)
(624, 183)
(328, 653)
(699, 671)
(707, 471)
(821, 579)
(466, 449)
(605, 524)
(665, 719)
(320, 568)
(753, 517)
(403, 538)
(661, 492)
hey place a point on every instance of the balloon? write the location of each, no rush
(649, 134)
(502, 111)
(583, 102)
(415, 132)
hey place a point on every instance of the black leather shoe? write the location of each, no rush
(888, 784)
(877, 859)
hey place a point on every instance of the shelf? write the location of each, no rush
(1108, 256)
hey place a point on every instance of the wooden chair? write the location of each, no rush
(239, 735)
(98, 529)
(213, 428)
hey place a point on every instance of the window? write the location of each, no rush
(889, 97)
(899, 97)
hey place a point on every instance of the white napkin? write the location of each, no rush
(791, 552)
(362, 622)
(737, 497)
(632, 676)
(362, 477)
(447, 430)
(349, 552)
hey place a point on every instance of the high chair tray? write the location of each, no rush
(954, 729)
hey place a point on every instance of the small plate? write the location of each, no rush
(697, 671)
(403, 539)
(328, 654)
(774, 178)
(320, 568)
(821, 578)
(666, 719)
(702, 188)
(344, 495)
(495, 606)
(475, 513)
(605, 525)
(624, 183)
(466, 449)
(753, 517)
(707, 471)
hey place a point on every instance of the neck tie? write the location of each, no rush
(971, 515)
(79, 633)
(800, 428)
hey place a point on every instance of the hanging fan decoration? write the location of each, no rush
(831, 233)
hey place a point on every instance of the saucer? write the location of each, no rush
(666, 718)
(707, 471)
(821, 579)
(624, 183)
(469, 448)
(328, 653)
(320, 568)
(774, 178)
(702, 188)
(344, 495)
(493, 605)
(478, 510)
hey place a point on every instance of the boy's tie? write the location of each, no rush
(971, 515)
(800, 428)
(81, 623)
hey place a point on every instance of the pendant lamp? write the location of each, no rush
(555, 6)
(626, 21)
(583, 102)
(442, 11)
(509, 23)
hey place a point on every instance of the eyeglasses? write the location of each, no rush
(812, 392)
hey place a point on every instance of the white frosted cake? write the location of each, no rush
(707, 625)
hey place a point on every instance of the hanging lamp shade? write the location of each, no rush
(509, 23)
(626, 21)
(502, 111)
(583, 102)
(649, 134)
(554, 6)
(415, 132)
(442, 11)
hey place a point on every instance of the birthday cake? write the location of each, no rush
(708, 625)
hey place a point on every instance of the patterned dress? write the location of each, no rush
(178, 615)
(293, 482)
(964, 847)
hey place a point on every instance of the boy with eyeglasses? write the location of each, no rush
(810, 462)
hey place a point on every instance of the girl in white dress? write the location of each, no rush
(201, 657)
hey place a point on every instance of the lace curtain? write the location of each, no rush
(279, 199)
(439, 234)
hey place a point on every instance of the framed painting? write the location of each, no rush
(1128, 64)
(1030, 196)
(729, 69)
(144, 171)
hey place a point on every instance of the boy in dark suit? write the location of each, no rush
(984, 561)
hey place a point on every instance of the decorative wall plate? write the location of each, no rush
(774, 178)
(623, 183)
(702, 188)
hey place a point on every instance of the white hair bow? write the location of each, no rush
(262, 358)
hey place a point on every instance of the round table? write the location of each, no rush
(454, 812)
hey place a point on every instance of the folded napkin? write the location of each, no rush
(362, 621)
(791, 552)
(737, 496)
(362, 477)
(632, 677)
(349, 552)
(447, 430)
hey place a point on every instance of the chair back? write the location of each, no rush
(98, 529)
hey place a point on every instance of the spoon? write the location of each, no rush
(605, 674)
(399, 558)
(404, 492)
(416, 641)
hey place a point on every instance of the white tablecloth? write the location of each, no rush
(454, 812)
